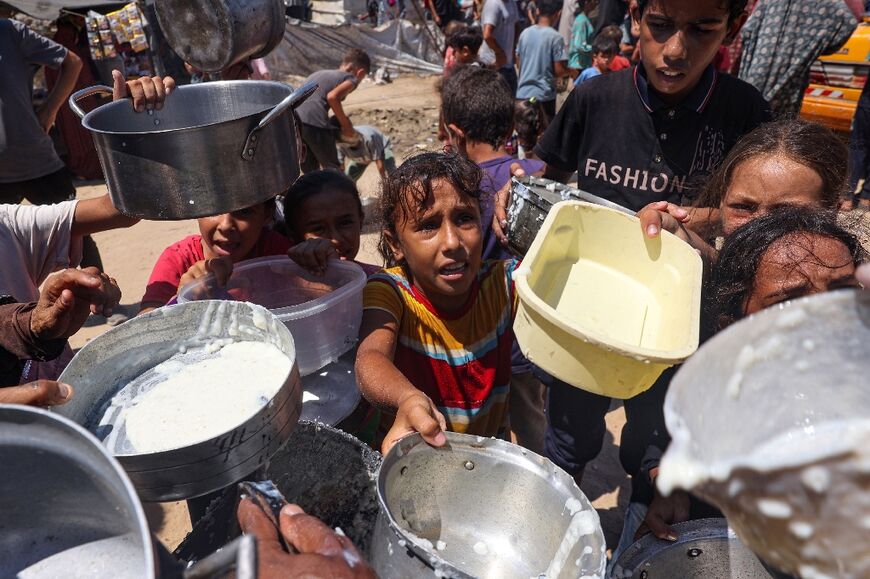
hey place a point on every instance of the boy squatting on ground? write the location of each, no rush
(333, 87)
(648, 133)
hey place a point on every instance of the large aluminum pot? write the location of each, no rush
(213, 148)
(770, 421)
(213, 35)
(106, 364)
(66, 507)
(706, 549)
(481, 507)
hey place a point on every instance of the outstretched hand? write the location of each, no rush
(662, 215)
(146, 92)
(314, 254)
(664, 512)
(322, 552)
(417, 413)
(39, 393)
(68, 298)
(221, 267)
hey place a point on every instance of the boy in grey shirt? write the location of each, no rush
(542, 58)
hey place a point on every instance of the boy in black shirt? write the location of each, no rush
(649, 133)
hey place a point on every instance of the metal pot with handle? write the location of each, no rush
(213, 148)
(212, 35)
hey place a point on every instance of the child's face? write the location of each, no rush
(443, 246)
(234, 234)
(602, 61)
(766, 182)
(332, 215)
(678, 39)
(465, 55)
(800, 265)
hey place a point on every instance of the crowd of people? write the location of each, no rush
(653, 122)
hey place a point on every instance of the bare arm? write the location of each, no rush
(430, 6)
(95, 215)
(489, 39)
(387, 388)
(66, 82)
(560, 67)
(334, 99)
(379, 163)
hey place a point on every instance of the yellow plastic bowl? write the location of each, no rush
(603, 307)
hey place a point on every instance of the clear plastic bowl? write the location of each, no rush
(323, 313)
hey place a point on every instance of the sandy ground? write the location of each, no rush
(407, 110)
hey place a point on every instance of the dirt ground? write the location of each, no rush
(407, 111)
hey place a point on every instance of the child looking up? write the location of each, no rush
(324, 216)
(333, 87)
(604, 50)
(788, 162)
(478, 111)
(435, 341)
(541, 58)
(223, 240)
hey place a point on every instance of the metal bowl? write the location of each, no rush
(109, 362)
(326, 471)
(706, 549)
(481, 507)
(66, 508)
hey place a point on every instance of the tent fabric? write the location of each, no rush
(50, 9)
(398, 46)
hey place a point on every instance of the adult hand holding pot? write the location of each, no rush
(321, 551)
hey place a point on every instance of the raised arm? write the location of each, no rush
(387, 388)
(95, 215)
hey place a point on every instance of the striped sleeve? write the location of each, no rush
(381, 293)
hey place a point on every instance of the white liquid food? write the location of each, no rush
(199, 401)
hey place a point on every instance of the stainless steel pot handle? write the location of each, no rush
(84, 93)
(293, 100)
(240, 555)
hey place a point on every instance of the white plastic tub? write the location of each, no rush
(323, 313)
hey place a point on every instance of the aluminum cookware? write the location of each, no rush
(213, 148)
(481, 507)
(213, 35)
(706, 549)
(770, 421)
(531, 201)
(108, 363)
(67, 509)
(326, 471)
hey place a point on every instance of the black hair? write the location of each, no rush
(735, 7)
(529, 122)
(733, 277)
(603, 44)
(549, 7)
(809, 144)
(406, 190)
(478, 101)
(358, 59)
(465, 36)
(312, 184)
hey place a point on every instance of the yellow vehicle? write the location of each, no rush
(836, 81)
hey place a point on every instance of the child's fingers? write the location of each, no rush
(651, 218)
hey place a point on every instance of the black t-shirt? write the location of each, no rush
(631, 148)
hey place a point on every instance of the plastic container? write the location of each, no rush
(603, 307)
(770, 421)
(322, 312)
